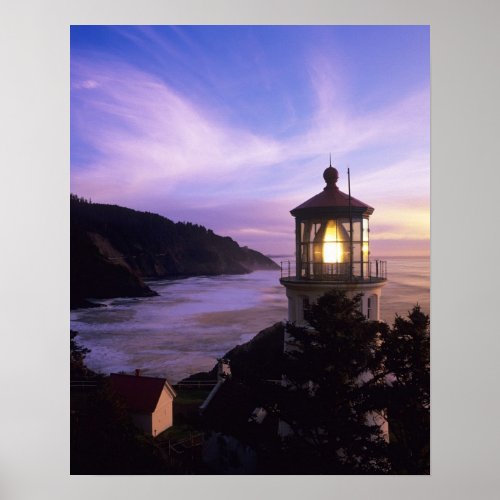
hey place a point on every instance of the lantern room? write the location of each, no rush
(332, 238)
(332, 234)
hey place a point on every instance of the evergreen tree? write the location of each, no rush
(103, 438)
(332, 369)
(78, 370)
(407, 359)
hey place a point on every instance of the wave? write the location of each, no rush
(195, 320)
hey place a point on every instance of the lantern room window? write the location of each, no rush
(335, 243)
(327, 250)
(332, 235)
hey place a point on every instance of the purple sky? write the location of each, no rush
(232, 126)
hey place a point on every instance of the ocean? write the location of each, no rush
(193, 321)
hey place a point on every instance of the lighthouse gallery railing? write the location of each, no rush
(372, 271)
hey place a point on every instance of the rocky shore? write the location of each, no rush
(113, 249)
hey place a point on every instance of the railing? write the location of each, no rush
(195, 384)
(367, 271)
(286, 270)
(377, 269)
(182, 445)
(83, 384)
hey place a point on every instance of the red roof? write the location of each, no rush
(140, 394)
(331, 197)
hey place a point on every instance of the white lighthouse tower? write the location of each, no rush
(332, 252)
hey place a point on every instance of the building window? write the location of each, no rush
(369, 308)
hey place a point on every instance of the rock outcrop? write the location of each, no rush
(114, 248)
(258, 359)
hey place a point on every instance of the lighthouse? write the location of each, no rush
(332, 252)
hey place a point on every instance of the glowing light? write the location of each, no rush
(334, 243)
(365, 251)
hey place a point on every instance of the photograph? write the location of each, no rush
(250, 249)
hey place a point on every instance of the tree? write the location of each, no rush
(77, 358)
(407, 360)
(332, 371)
(103, 437)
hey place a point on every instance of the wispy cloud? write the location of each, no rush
(147, 134)
(85, 84)
(158, 147)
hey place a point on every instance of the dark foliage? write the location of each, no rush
(78, 369)
(104, 440)
(407, 359)
(103, 437)
(259, 359)
(113, 248)
(331, 371)
(346, 368)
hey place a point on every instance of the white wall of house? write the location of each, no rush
(162, 418)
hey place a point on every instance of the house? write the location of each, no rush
(149, 400)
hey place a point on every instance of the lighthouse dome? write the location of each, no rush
(331, 199)
(330, 175)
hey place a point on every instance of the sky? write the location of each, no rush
(231, 127)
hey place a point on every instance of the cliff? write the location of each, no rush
(114, 248)
(258, 359)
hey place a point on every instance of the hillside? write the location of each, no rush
(259, 358)
(114, 248)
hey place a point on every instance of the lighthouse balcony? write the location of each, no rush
(368, 272)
